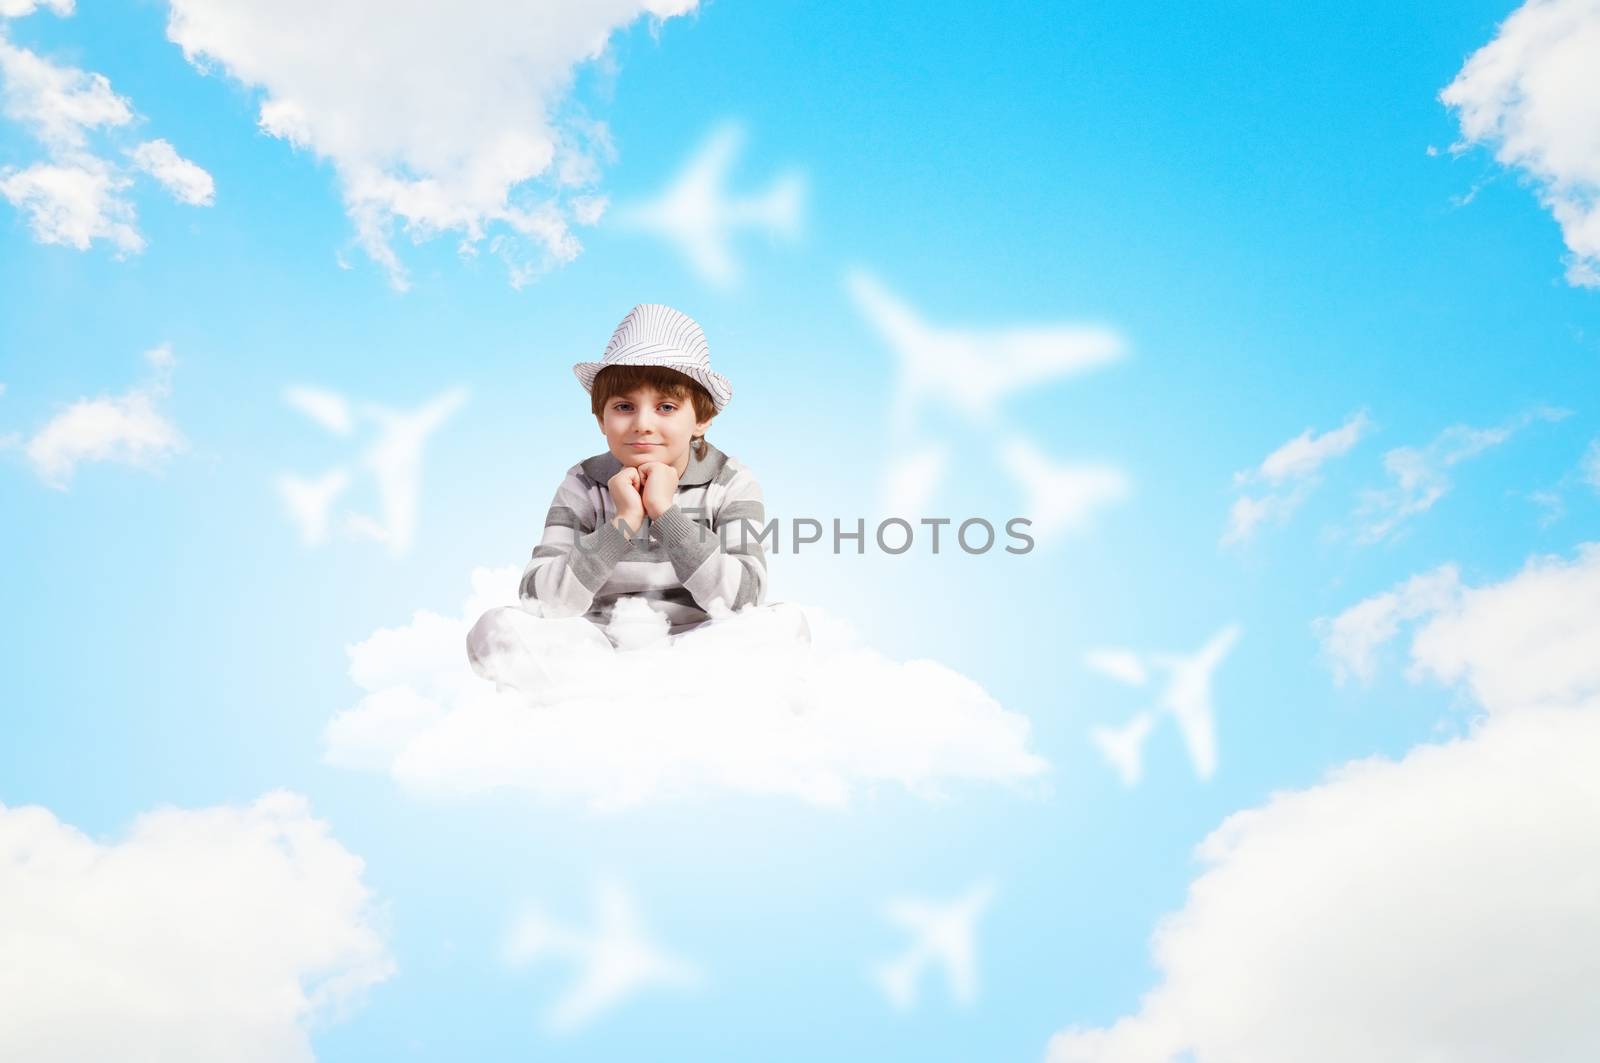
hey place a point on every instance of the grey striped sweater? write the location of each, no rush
(676, 562)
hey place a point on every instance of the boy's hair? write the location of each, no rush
(616, 380)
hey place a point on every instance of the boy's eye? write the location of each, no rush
(669, 407)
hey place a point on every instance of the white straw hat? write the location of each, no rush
(653, 334)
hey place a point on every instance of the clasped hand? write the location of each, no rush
(643, 490)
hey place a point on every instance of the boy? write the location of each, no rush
(641, 521)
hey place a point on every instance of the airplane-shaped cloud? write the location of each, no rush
(394, 460)
(816, 722)
(943, 934)
(1062, 496)
(1123, 746)
(1187, 696)
(970, 369)
(615, 961)
(1445, 896)
(698, 216)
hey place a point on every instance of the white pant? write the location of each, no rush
(512, 647)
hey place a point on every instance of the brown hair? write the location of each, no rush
(616, 380)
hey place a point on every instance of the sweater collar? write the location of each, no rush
(602, 467)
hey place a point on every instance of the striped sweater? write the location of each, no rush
(677, 562)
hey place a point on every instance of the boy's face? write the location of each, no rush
(646, 425)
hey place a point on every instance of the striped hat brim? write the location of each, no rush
(716, 384)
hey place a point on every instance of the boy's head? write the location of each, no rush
(651, 413)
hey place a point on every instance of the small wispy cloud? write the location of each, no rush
(186, 182)
(1289, 474)
(698, 216)
(128, 429)
(1420, 477)
(1589, 466)
(615, 959)
(943, 940)
(77, 194)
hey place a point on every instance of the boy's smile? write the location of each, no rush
(646, 425)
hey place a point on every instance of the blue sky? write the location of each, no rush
(1284, 229)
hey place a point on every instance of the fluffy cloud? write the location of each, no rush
(206, 934)
(19, 8)
(1439, 906)
(76, 194)
(1527, 642)
(128, 429)
(436, 118)
(1293, 466)
(816, 726)
(1420, 474)
(187, 182)
(1533, 95)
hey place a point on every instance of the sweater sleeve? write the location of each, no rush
(725, 565)
(575, 557)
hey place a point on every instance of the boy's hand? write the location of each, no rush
(624, 487)
(660, 487)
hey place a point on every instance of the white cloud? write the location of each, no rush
(616, 960)
(436, 118)
(697, 215)
(1589, 468)
(393, 458)
(19, 8)
(1436, 907)
(129, 429)
(58, 104)
(1294, 463)
(780, 721)
(943, 938)
(1351, 639)
(1419, 473)
(76, 195)
(1533, 95)
(187, 182)
(205, 934)
(1062, 496)
(74, 204)
(1186, 696)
